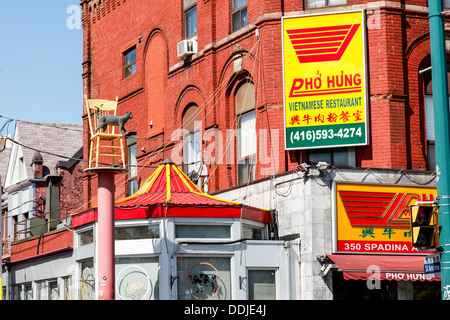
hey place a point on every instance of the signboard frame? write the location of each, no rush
(329, 130)
(336, 237)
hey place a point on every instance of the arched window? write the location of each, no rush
(244, 100)
(191, 141)
(429, 118)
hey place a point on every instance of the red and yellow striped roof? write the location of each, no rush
(168, 192)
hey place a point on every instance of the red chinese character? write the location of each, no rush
(332, 117)
(295, 120)
(357, 115)
(344, 116)
(307, 118)
(319, 118)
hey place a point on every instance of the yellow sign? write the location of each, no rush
(324, 80)
(376, 218)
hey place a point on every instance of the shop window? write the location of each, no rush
(446, 3)
(41, 290)
(345, 157)
(239, 14)
(246, 135)
(261, 285)
(311, 4)
(190, 18)
(53, 290)
(203, 278)
(67, 287)
(202, 231)
(28, 291)
(137, 278)
(17, 292)
(129, 62)
(192, 156)
(85, 237)
(87, 280)
(137, 232)
(132, 183)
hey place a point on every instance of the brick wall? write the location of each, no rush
(56, 241)
(164, 85)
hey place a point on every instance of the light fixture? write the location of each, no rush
(322, 165)
(303, 167)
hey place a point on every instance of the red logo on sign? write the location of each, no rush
(379, 208)
(322, 43)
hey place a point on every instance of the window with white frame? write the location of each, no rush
(150, 231)
(129, 62)
(132, 183)
(261, 284)
(87, 280)
(192, 144)
(190, 18)
(311, 4)
(203, 278)
(68, 285)
(137, 278)
(202, 231)
(246, 136)
(85, 237)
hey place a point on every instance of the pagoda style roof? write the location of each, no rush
(168, 192)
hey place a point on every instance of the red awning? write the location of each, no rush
(381, 267)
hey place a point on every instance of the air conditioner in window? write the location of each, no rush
(187, 47)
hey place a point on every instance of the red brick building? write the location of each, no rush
(160, 86)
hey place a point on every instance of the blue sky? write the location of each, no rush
(41, 51)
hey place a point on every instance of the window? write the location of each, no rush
(132, 185)
(190, 18)
(345, 157)
(28, 291)
(87, 280)
(253, 232)
(201, 278)
(261, 285)
(239, 14)
(246, 135)
(192, 144)
(53, 290)
(129, 62)
(85, 237)
(137, 232)
(137, 278)
(310, 4)
(429, 119)
(67, 287)
(202, 231)
(446, 3)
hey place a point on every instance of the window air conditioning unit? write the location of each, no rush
(187, 47)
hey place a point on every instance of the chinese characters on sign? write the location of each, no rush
(376, 219)
(324, 80)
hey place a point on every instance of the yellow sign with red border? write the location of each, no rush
(376, 218)
(324, 76)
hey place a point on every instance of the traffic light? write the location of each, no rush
(424, 226)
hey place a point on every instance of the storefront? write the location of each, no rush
(172, 241)
(372, 243)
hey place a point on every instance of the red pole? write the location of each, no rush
(106, 255)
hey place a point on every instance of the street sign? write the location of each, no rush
(432, 265)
